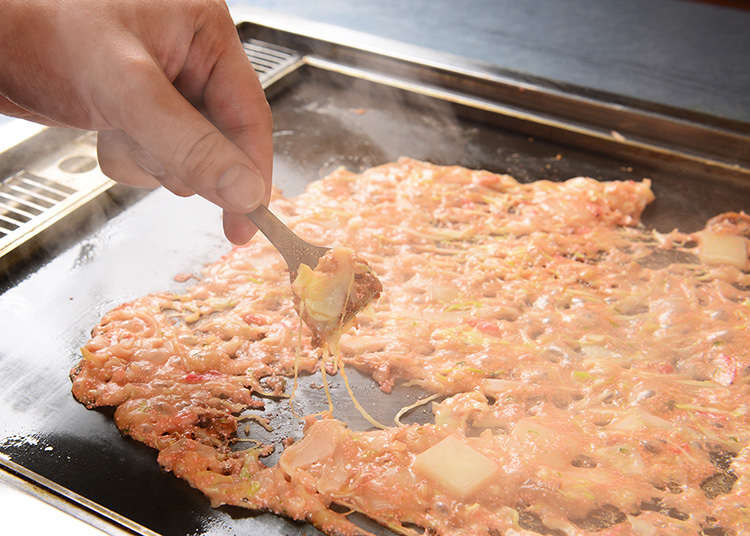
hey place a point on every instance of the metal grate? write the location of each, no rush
(48, 189)
(25, 196)
(271, 62)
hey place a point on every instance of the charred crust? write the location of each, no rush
(710, 527)
(600, 518)
(531, 521)
(655, 505)
(714, 531)
(583, 461)
(718, 484)
(720, 457)
(674, 487)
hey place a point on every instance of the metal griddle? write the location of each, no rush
(338, 100)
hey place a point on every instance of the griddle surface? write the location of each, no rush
(322, 121)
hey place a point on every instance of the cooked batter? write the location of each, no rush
(594, 374)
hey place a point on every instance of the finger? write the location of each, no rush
(8, 107)
(123, 160)
(189, 147)
(234, 101)
(176, 186)
(238, 228)
(115, 152)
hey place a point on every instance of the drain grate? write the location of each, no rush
(48, 189)
(271, 62)
(25, 196)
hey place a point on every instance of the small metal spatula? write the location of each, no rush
(294, 250)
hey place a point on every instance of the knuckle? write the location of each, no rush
(196, 158)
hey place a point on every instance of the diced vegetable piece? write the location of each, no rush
(723, 249)
(319, 443)
(322, 294)
(635, 420)
(456, 467)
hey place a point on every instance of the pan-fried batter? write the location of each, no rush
(598, 370)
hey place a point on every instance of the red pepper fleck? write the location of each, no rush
(253, 319)
(490, 328)
(666, 368)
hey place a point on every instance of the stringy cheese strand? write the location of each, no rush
(406, 409)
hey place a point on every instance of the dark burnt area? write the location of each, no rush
(710, 528)
(418, 528)
(531, 521)
(655, 505)
(718, 484)
(601, 518)
(671, 486)
(217, 425)
(674, 487)
(594, 258)
(721, 457)
(715, 531)
(583, 461)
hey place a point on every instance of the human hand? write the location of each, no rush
(166, 83)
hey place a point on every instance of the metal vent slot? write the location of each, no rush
(23, 200)
(271, 62)
(19, 207)
(42, 182)
(30, 202)
(8, 214)
(7, 225)
(25, 196)
(38, 191)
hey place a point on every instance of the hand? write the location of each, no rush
(165, 82)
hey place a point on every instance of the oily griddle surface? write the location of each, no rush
(136, 245)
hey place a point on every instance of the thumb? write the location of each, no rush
(184, 142)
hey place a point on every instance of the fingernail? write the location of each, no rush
(241, 188)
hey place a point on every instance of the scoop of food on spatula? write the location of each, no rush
(330, 286)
